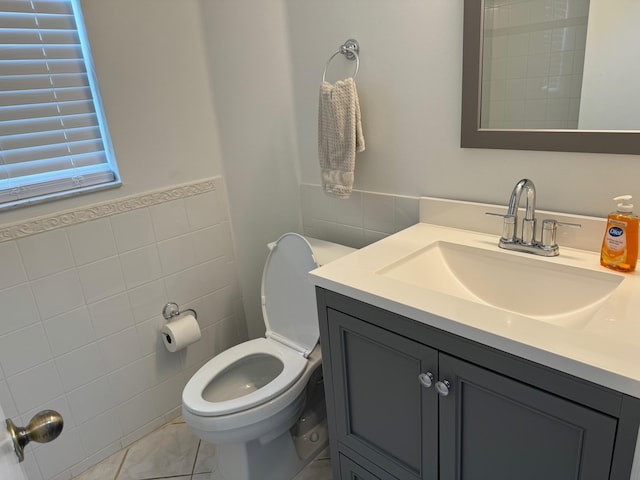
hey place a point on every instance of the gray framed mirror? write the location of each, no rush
(536, 78)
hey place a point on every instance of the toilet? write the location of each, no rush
(262, 402)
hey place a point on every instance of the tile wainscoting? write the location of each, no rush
(358, 221)
(84, 290)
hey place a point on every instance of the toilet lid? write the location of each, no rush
(288, 296)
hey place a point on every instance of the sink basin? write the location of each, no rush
(543, 290)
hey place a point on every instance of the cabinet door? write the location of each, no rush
(383, 411)
(494, 427)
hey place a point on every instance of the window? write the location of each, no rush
(54, 139)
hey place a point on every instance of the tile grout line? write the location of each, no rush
(124, 457)
(195, 459)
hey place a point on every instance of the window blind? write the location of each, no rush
(53, 135)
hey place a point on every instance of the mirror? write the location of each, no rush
(537, 75)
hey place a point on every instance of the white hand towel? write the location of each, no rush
(339, 136)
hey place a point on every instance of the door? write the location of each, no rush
(10, 469)
(384, 411)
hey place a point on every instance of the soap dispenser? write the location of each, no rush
(620, 243)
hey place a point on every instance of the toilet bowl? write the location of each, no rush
(248, 399)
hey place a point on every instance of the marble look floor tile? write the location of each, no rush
(178, 419)
(324, 454)
(169, 451)
(319, 469)
(172, 453)
(105, 470)
(206, 459)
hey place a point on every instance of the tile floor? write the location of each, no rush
(173, 452)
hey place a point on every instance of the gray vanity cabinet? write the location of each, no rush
(410, 402)
(381, 411)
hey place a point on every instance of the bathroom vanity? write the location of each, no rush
(433, 370)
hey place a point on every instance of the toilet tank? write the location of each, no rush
(325, 252)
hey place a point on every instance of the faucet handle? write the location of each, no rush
(508, 226)
(549, 230)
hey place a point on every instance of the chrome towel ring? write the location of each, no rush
(350, 50)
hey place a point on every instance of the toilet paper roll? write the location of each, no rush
(180, 332)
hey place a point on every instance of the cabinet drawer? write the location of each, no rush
(350, 470)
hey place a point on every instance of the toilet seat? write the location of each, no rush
(292, 332)
(293, 366)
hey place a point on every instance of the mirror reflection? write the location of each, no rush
(560, 64)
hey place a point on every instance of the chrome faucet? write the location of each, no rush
(521, 236)
(529, 222)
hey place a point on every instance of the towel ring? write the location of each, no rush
(350, 50)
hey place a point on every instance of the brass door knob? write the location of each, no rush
(43, 427)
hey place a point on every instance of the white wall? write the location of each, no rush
(409, 86)
(251, 76)
(87, 298)
(266, 61)
(611, 70)
(150, 61)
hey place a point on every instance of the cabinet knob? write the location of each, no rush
(443, 387)
(426, 379)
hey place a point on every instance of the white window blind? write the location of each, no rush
(53, 135)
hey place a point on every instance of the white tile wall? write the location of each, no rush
(57, 293)
(92, 241)
(112, 314)
(141, 266)
(101, 279)
(13, 270)
(69, 331)
(36, 253)
(24, 312)
(22, 387)
(133, 229)
(13, 346)
(85, 302)
(358, 221)
(535, 77)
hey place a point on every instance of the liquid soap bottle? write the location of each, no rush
(620, 242)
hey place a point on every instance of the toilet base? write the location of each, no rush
(309, 445)
(280, 459)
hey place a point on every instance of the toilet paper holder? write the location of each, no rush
(172, 309)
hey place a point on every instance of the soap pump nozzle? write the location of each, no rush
(624, 206)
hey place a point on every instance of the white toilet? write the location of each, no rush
(262, 402)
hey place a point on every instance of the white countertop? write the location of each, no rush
(605, 350)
